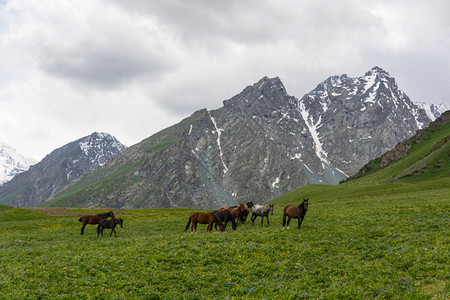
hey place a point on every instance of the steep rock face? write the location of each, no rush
(357, 119)
(12, 163)
(58, 169)
(261, 144)
(402, 148)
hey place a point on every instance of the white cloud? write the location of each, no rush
(134, 67)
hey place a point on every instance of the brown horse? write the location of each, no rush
(111, 223)
(239, 211)
(204, 218)
(94, 219)
(295, 212)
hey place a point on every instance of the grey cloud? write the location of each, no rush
(105, 65)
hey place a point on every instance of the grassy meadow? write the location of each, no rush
(387, 241)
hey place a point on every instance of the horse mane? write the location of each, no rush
(246, 207)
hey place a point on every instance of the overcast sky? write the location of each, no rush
(131, 67)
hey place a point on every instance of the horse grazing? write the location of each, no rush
(295, 212)
(204, 218)
(111, 223)
(244, 215)
(225, 216)
(94, 219)
(262, 211)
(239, 211)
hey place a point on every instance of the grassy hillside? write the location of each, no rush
(379, 246)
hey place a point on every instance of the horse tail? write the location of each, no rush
(80, 219)
(284, 216)
(188, 223)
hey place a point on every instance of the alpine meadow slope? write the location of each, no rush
(261, 144)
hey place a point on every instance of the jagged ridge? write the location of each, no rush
(262, 143)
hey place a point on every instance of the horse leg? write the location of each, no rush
(267, 217)
(253, 219)
(288, 221)
(194, 226)
(210, 224)
(300, 220)
(82, 228)
(98, 230)
(284, 220)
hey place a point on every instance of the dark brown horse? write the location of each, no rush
(295, 212)
(94, 219)
(203, 218)
(225, 216)
(111, 223)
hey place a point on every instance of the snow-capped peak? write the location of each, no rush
(12, 163)
(433, 110)
(97, 144)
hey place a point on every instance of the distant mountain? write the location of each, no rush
(426, 154)
(262, 143)
(433, 110)
(12, 163)
(58, 169)
(358, 119)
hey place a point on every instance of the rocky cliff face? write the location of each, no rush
(58, 169)
(261, 144)
(358, 119)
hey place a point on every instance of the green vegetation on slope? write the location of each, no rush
(385, 235)
(386, 246)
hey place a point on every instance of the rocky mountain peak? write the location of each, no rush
(59, 168)
(377, 71)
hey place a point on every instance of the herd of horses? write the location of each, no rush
(221, 217)
(238, 214)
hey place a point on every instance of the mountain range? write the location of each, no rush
(261, 144)
(58, 169)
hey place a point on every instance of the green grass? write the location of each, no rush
(371, 246)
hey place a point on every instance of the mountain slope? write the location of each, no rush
(428, 154)
(358, 119)
(58, 169)
(261, 144)
(415, 167)
(12, 163)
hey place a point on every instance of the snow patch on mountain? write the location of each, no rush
(433, 110)
(12, 163)
(100, 147)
